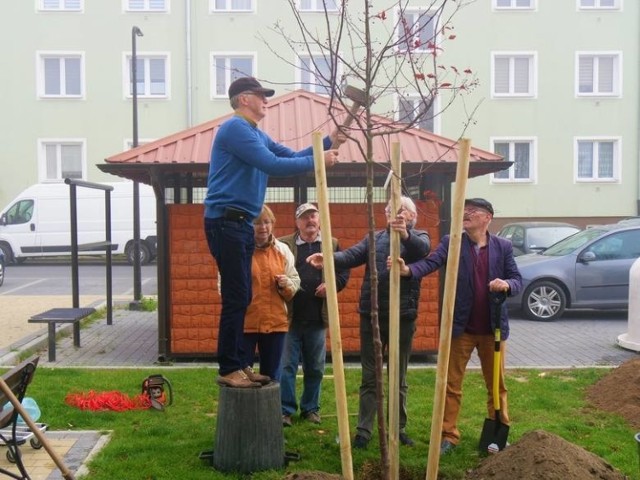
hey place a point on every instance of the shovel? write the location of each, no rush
(494, 433)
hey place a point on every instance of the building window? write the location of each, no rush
(514, 74)
(228, 67)
(314, 74)
(599, 4)
(519, 151)
(598, 74)
(60, 159)
(146, 5)
(60, 74)
(597, 160)
(231, 5)
(317, 5)
(411, 106)
(60, 5)
(416, 31)
(152, 73)
(514, 4)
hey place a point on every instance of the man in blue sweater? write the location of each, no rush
(242, 158)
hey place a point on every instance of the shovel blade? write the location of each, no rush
(493, 432)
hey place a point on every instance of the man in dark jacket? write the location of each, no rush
(486, 265)
(414, 244)
(308, 320)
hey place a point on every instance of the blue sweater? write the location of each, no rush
(242, 158)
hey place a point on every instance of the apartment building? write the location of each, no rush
(557, 90)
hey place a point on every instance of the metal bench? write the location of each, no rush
(17, 380)
(62, 315)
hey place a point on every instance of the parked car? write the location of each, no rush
(630, 221)
(531, 237)
(2, 265)
(587, 270)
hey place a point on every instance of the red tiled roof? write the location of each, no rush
(291, 119)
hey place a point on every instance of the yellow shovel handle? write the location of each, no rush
(496, 371)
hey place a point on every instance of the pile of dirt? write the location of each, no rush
(370, 470)
(618, 392)
(540, 455)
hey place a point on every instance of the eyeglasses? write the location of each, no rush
(261, 223)
(256, 94)
(473, 211)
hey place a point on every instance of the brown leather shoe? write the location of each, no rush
(256, 377)
(237, 379)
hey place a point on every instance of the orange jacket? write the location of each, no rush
(267, 312)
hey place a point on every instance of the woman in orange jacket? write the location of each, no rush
(275, 281)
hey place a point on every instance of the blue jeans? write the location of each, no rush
(270, 347)
(232, 244)
(309, 345)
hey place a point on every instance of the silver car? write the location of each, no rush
(587, 270)
(532, 237)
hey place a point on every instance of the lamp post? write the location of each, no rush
(137, 277)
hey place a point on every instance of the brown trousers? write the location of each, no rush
(461, 349)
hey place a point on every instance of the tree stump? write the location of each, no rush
(249, 435)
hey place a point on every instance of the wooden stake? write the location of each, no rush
(448, 304)
(394, 320)
(332, 307)
(6, 390)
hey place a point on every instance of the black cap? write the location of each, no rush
(480, 203)
(248, 84)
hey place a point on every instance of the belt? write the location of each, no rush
(235, 214)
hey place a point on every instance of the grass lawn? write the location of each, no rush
(156, 445)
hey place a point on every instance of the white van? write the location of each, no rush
(37, 222)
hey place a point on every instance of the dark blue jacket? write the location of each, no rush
(411, 249)
(501, 265)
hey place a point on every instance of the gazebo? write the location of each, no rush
(177, 166)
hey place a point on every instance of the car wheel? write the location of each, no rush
(1, 273)
(544, 301)
(145, 254)
(8, 253)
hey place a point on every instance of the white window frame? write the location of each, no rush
(126, 74)
(317, 6)
(228, 8)
(228, 77)
(435, 108)
(40, 74)
(533, 74)
(617, 74)
(533, 5)
(42, 157)
(617, 5)
(617, 159)
(299, 70)
(146, 9)
(434, 37)
(41, 7)
(533, 160)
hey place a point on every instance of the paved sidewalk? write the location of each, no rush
(132, 340)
